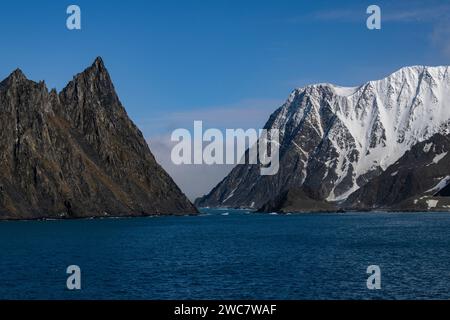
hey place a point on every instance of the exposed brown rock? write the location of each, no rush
(77, 153)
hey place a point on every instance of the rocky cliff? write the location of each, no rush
(77, 154)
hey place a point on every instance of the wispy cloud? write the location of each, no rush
(340, 15)
(248, 113)
(402, 12)
(193, 180)
(419, 14)
(440, 37)
(436, 15)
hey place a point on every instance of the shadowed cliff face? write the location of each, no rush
(418, 181)
(77, 154)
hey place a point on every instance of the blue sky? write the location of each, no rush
(232, 62)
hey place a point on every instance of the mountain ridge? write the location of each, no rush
(77, 154)
(354, 134)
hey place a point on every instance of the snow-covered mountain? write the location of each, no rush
(419, 180)
(336, 139)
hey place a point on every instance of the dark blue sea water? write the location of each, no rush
(234, 256)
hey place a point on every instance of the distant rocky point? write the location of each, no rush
(77, 154)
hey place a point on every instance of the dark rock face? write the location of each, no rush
(419, 180)
(77, 154)
(297, 200)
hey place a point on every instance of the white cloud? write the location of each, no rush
(197, 180)
(248, 113)
(194, 180)
(440, 38)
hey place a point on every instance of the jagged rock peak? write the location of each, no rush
(98, 62)
(97, 67)
(16, 76)
(77, 154)
(94, 72)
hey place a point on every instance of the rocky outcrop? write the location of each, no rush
(418, 181)
(297, 200)
(77, 154)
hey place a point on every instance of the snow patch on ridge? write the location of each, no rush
(427, 147)
(439, 157)
(441, 185)
(432, 204)
(344, 91)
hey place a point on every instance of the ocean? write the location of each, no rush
(229, 254)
